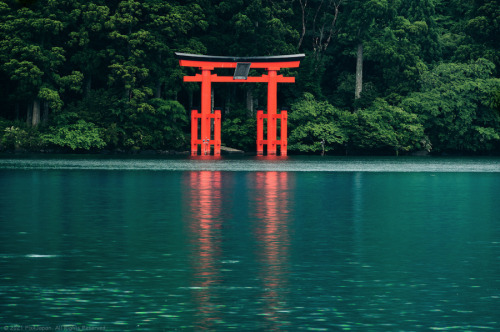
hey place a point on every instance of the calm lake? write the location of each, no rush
(245, 243)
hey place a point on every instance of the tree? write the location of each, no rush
(127, 72)
(238, 131)
(87, 39)
(358, 24)
(423, 31)
(384, 127)
(81, 135)
(33, 55)
(456, 106)
(319, 26)
(171, 28)
(397, 57)
(483, 27)
(143, 36)
(316, 22)
(316, 126)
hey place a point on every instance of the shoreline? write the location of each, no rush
(237, 153)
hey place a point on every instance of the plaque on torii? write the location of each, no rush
(242, 66)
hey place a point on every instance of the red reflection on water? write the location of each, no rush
(205, 157)
(272, 157)
(272, 232)
(205, 205)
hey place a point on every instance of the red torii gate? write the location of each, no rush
(242, 65)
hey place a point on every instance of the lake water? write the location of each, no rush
(248, 243)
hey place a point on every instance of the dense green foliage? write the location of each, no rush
(380, 76)
(317, 125)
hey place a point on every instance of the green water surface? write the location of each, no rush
(287, 244)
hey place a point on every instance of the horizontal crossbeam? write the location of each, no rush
(250, 79)
(210, 62)
(236, 59)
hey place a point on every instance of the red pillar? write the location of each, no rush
(260, 132)
(206, 116)
(217, 139)
(284, 133)
(194, 132)
(272, 95)
(206, 104)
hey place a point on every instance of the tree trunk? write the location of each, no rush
(158, 89)
(35, 120)
(249, 101)
(158, 82)
(303, 6)
(29, 114)
(45, 118)
(359, 72)
(17, 111)
(88, 85)
(228, 101)
(190, 99)
(129, 48)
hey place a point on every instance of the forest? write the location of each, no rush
(379, 76)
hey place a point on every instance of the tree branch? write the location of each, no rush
(303, 6)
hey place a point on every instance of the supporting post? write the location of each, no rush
(260, 132)
(282, 142)
(272, 95)
(194, 132)
(217, 127)
(206, 117)
(206, 103)
(284, 132)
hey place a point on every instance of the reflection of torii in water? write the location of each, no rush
(242, 66)
(204, 205)
(273, 218)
